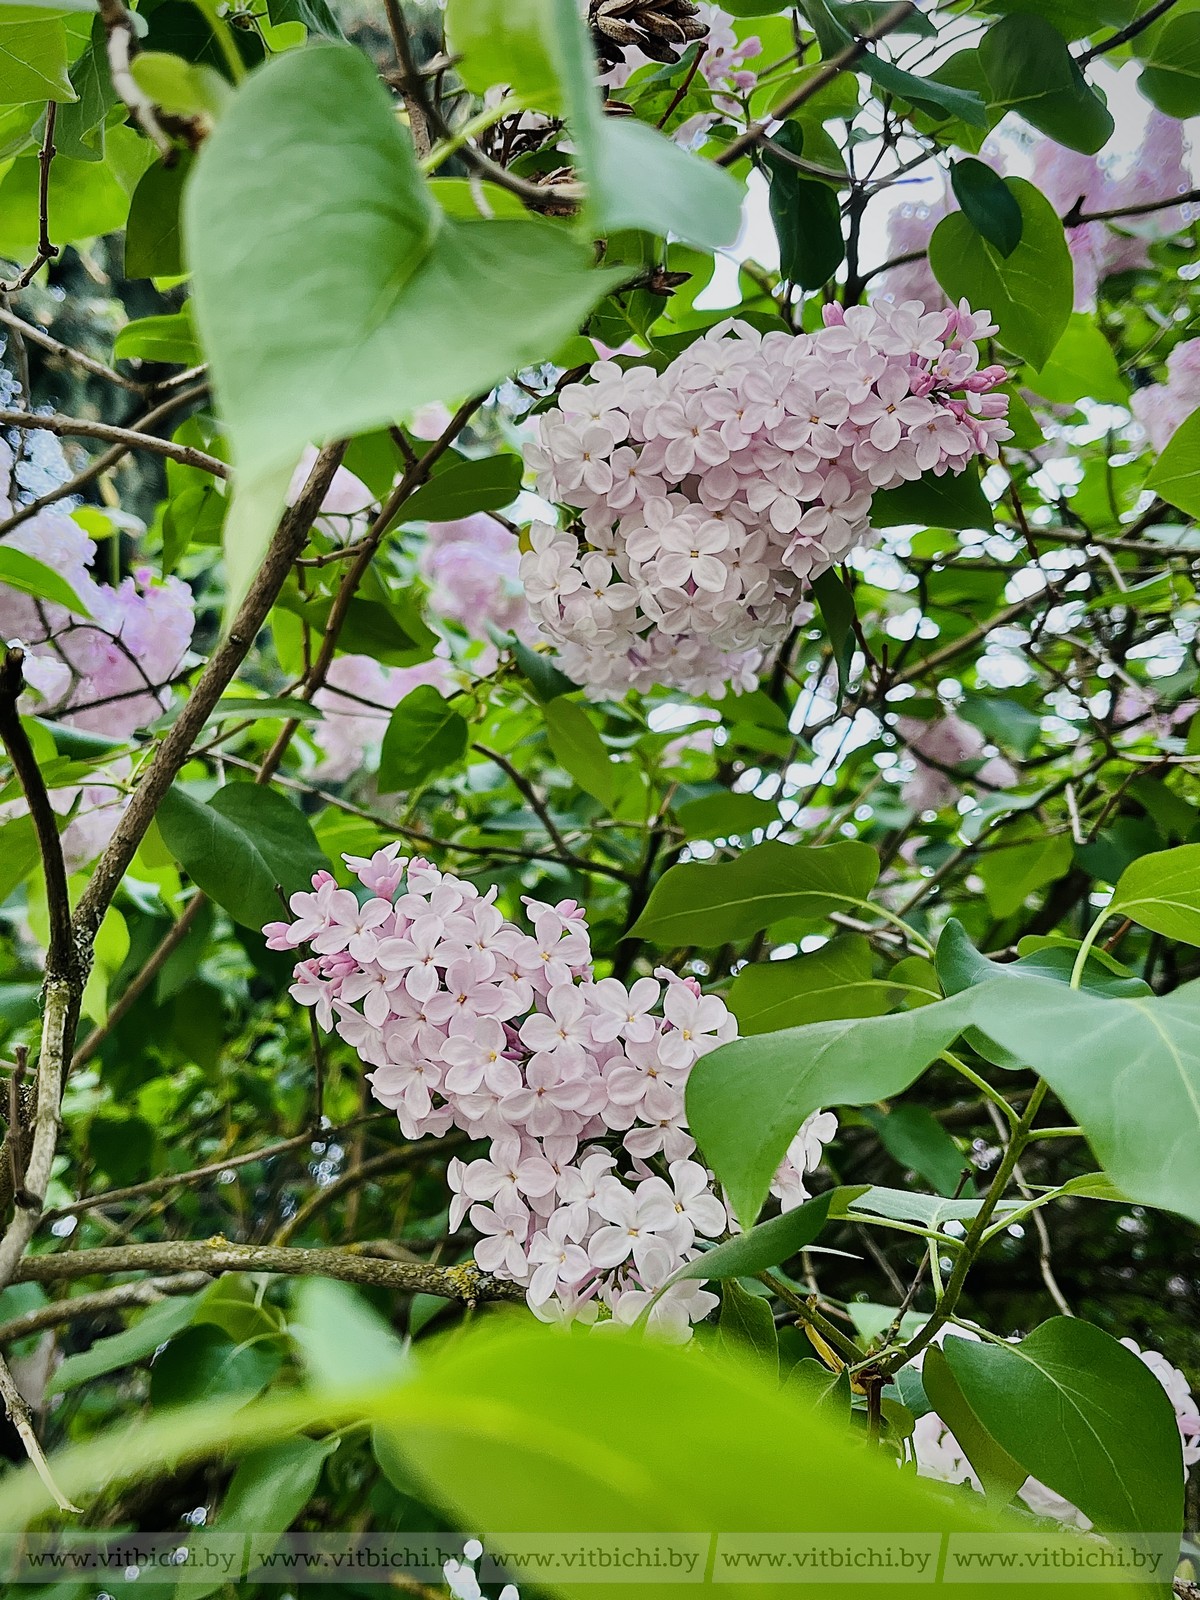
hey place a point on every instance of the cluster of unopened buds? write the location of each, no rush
(707, 497)
(590, 1194)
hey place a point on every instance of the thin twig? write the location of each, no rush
(1138, 25)
(144, 1292)
(412, 85)
(212, 1169)
(102, 463)
(122, 48)
(22, 1421)
(141, 980)
(61, 956)
(825, 74)
(131, 438)
(46, 251)
(66, 352)
(224, 662)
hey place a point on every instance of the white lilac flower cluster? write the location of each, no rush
(939, 1455)
(710, 495)
(578, 1084)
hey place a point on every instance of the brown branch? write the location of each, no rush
(66, 352)
(122, 48)
(1077, 218)
(143, 1292)
(22, 1421)
(172, 1180)
(224, 662)
(64, 988)
(141, 980)
(46, 251)
(130, 438)
(61, 957)
(421, 114)
(217, 1255)
(1138, 25)
(387, 1161)
(526, 790)
(825, 74)
(101, 463)
(412, 480)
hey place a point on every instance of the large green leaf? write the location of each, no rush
(425, 734)
(746, 1327)
(747, 1254)
(636, 177)
(987, 203)
(1176, 474)
(1031, 71)
(1081, 1413)
(1162, 892)
(996, 1470)
(642, 179)
(955, 500)
(712, 904)
(31, 576)
(1026, 859)
(33, 56)
(331, 294)
(1171, 76)
(466, 487)
(1083, 366)
(835, 981)
(514, 1428)
(914, 1137)
(746, 1100)
(1128, 1071)
(928, 1211)
(1030, 292)
(162, 1322)
(578, 747)
(506, 42)
(533, 1431)
(806, 215)
(247, 840)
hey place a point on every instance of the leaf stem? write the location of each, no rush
(1085, 949)
(976, 1236)
(984, 1087)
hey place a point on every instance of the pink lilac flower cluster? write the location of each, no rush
(473, 570)
(939, 748)
(109, 671)
(589, 1194)
(1101, 249)
(939, 1455)
(1163, 407)
(710, 495)
(723, 66)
